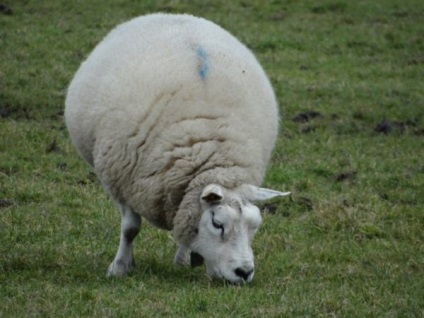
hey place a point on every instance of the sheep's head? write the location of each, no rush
(227, 225)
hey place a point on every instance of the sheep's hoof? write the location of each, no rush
(119, 268)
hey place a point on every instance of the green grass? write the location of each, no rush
(348, 243)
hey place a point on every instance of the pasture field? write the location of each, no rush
(349, 242)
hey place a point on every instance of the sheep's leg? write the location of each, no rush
(124, 259)
(182, 257)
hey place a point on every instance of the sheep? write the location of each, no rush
(179, 120)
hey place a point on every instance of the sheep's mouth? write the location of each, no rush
(196, 259)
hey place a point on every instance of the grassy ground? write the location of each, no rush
(348, 243)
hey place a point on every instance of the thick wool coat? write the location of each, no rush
(165, 105)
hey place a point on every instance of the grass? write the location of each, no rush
(348, 243)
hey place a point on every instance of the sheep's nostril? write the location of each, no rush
(243, 273)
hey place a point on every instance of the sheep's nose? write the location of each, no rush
(244, 272)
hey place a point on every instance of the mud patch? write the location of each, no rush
(4, 203)
(419, 132)
(63, 166)
(6, 9)
(306, 116)
(345, 176)
(10, 112)
(390, 126)
(53, 147)
(5, 112)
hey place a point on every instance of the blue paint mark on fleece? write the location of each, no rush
(204, 62)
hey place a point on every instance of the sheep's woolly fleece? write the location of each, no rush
(165, 105)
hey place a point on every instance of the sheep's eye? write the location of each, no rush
(217, 225)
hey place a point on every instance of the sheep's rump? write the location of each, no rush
(168, 101)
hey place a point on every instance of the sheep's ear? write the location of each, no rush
(253, 193)
(212, 193)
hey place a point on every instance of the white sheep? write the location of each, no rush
(179, 120)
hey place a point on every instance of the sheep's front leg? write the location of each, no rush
(182, 257)
(124, 259)
(185, 256)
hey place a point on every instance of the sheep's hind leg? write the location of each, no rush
(124, 259)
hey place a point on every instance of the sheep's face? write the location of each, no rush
(226, 229)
